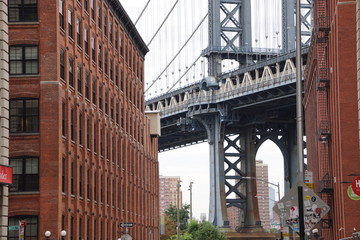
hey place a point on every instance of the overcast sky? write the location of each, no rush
(192, 163)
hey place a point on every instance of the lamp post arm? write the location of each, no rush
(262, 180)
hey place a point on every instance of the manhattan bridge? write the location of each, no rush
(223, 71)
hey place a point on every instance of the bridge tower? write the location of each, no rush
(230, 29)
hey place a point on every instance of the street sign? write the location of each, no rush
(308, 179)
(288, 208)
(356, 186)
(126, 224)
(14, 228)
(351, 194)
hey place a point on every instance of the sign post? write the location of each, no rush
(356, 186)
(126, 225)
(313, 206)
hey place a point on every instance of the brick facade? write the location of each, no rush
(331, 117)
(97, 160)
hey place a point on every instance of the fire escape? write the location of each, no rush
(321, 39)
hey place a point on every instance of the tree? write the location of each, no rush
(205, 231)
(171, 212)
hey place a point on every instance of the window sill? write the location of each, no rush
(24, 193)
(24, 23)
(24, 134)
(24, 75)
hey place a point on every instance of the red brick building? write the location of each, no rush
(331, 114)
(83, 153)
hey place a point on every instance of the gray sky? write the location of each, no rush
(192, 163)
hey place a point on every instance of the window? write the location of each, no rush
(72, 187)
(117, 75)
(79, 79)
(87, 86)
(92, 9)
(88, 130)
(71, 72)
(31, 227)
(121, 47)
(23, 10)
(63, 177)
(112, 107)
(95, 140)
(100, 97)
(81, 180)
(64, 119)
(106, 62)
(72, 124)
(86, 5)
(116, 38)
(93, 55)
(93, 91)
(117, 112)
(88, 190)
(111, 69)
(111, 30)
(80, 129)
(105, 23)
(107, 101)
(78, 32)
(61, 14)
(25, 174)
(70, 24)
(99, 17)
(24, 115)
(86, 40)
(99, 56)
(62, 64)
(24, 60)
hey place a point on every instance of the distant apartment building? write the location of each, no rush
(262, 172)
(168, 192)
(234, 216)
(234, 213)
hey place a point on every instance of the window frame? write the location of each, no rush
(23, 177)
(22, 9)
(24, 61)
(24, 116)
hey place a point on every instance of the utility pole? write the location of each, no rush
(178, 210)
(190, 188)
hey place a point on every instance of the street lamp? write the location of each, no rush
(178, 209)
(62, 234)
(190, 189)
(262, 180)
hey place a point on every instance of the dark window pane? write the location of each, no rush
(24, 60)
(24, 115)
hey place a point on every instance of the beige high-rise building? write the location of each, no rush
(168, 192)
(262, 172)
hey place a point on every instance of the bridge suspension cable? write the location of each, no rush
(142, 12)
(183, 46)
(162, 24)
(187, 70)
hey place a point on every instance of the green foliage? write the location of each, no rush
(171, 212)
(185, 236)
(201, 231)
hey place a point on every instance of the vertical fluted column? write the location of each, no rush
(4, 115)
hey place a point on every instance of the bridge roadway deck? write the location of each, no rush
(262, 93)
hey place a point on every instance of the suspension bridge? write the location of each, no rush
(223, 71)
